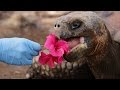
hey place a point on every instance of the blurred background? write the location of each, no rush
(35, 25)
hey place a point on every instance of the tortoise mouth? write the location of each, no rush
(74, 42)
(77, 46)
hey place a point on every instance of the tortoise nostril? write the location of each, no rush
(58, 25)
(55, 25)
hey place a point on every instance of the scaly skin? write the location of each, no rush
(66, 70)
(101, 57)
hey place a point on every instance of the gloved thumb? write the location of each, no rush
(35, 46)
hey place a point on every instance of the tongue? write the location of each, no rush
(73, 42)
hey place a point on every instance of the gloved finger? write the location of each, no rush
(33, 53)
(34, 46)
(26, 62)
(22, 62)
(28, 55)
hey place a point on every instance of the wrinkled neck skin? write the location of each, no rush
(106, 65)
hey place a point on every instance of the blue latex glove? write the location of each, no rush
(18, 51)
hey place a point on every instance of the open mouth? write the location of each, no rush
(75, 42)
(77, 48)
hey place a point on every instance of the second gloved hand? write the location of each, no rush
(18, 51)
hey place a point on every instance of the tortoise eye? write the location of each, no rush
(75, 25)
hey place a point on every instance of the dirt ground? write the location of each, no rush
(12, 72)
(34, 25)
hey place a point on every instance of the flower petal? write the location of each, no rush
(51, 62)
(58, 52)
(59, 60)
(63, 44)
(51, 40)
(43, 59)
(56, 48)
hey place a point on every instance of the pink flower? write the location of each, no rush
(56, 47)
(49, 59)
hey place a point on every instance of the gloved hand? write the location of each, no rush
(18, 51)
